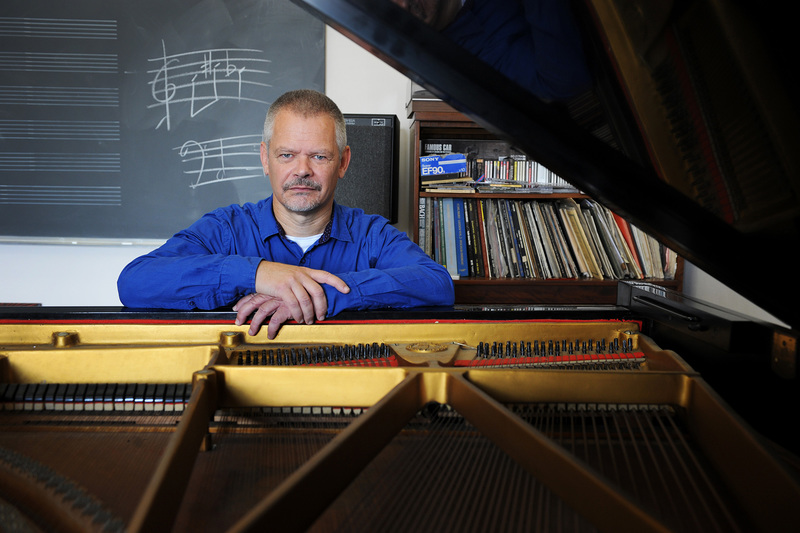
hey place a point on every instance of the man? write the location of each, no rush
(297, 254)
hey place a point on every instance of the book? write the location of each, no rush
(519, 244)
(437, 233)
(476, 233)
(553, 263)
(599, 251)
(625, 230)
(536, 242)
(422, 223)
(429, 227)
(445, 179)
(568, 226)
(450, 189)
(532, 258)
(462, 260)
(618, 265)
(449, 237)
(506, 240)
(481, 223)
(497, 258)
(560, 244)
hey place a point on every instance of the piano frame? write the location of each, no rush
(120, 346)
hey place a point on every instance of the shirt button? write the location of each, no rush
(303, 261)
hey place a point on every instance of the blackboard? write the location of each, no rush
(126, 121)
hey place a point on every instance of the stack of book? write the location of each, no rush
(538, 239)
(448, 183)
(498, 175)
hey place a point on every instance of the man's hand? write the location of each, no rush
(287, 291)
(264, 306)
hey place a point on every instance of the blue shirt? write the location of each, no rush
(213, 263)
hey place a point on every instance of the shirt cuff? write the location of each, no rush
(339, 301)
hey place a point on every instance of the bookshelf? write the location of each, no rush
(434, 122)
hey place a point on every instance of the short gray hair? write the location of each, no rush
(308, 103)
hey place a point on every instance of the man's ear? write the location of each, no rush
(264, 158)
(344, 162)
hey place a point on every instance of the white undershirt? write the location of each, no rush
(305, 242)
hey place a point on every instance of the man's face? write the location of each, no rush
(303, 162)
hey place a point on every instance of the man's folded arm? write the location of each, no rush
(397, 288)
(185, 274)
(401, 277)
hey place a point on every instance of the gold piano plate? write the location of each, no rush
(403, 422)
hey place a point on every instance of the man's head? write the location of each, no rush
(306, 102)
(305, 153)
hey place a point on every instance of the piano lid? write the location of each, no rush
(703, 146)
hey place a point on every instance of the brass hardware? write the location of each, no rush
(63, 339)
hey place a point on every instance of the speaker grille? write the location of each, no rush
(371, 182)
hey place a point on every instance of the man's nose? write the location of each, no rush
(303, 166)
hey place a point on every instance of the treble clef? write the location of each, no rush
(162, 90)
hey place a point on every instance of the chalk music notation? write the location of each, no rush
(199, 79)
(220, 160)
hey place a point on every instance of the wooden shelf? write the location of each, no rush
(536, 291)
(434, 120)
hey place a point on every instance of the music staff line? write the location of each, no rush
(219, 74)
(213, 154)
(59, 162)
(88, 195)
(42, 28)
(59, 96)
(59, 62)
(77, 130)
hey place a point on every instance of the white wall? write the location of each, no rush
(86, 275)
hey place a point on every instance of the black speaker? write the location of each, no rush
(371, 181)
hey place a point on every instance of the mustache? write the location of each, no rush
(302, 182)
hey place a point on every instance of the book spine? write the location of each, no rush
(448, 218)
(462, 260)
(421, 223)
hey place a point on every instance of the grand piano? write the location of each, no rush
(658, 413)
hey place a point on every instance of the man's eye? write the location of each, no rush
(320, 158)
